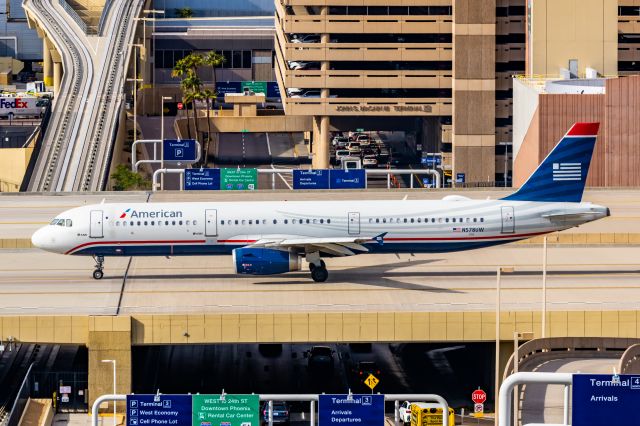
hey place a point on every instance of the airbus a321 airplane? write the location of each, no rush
(272, 237)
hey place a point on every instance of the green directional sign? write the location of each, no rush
(226, 410)
(238, 179)
(255, 86)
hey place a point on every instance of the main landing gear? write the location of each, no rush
(317, 267)
(98, 272)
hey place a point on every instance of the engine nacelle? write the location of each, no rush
(265, 261)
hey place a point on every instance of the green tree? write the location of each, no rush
(187, 69)
(209, 96)
(184, 12)
(126, 180)
(214, 60)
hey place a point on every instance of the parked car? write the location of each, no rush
(306, 38)
(355, 148)
(353, 136)
(363, 139)
(313, 93)
(320, 359)
(364, 368)
(404, 411)
(280, 413)
(341, 154)
(301, 65)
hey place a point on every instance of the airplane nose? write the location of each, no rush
(39, 239)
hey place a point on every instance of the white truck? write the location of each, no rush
(21, 107)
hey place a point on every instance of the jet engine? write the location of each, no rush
(265, 261)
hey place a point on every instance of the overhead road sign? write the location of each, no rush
(605, 399)
(184, 150)
(238, 179)
(348, 179)
(159, 410)
(255, 86)
(202, 179)
(311, 179)
(351, 409)
(228, 410)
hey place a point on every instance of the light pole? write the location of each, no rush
(517, 336)
(113, 361)
(544, 288)
(164, 98)
(135, 81)
(499, 273)
(506, 159)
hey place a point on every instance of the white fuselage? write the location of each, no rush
(206, 228)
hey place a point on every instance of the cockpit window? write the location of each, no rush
(69, 223)
(60, 222)
(54, 221)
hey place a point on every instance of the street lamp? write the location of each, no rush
(499, 272)
(506, 159)
(135, 81)
(164, 98)
(544, 288)
(113, 361)
(517, 336)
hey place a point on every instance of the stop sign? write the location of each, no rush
(180, 105)
(479, 396)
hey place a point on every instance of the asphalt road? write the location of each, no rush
(580, 278)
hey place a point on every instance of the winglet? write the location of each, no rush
(562, 175)
(380, 238)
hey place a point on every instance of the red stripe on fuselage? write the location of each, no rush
(105, 243)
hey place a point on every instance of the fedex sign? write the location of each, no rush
(13, 103)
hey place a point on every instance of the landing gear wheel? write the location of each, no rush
(98, 274)
(319, 274)
(313, 266)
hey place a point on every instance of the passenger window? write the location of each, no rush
(131, 223)
(180, 223)
(439, 220)
(384, 220)
(166, 223)
(308, 221)
(475, 220)
(250, 222)
(124, 223)
(145, 223)
(275, 222)
(173, 222)
(69, 223)
(195, 222)
(188, 222)
(433, 220)
(244, 222)
(117, 223)
(454, 220)
(315, 221)
(264, 221)
(293, 221)
(412, 220)
(482, 219)
(447, 220)
(159, 223)
(405, 220)
(221, 222)
(236, 221)
(153, 223)
(328, 220)
(377, 220)
(419, 220)
(286, 221)
(322, 221)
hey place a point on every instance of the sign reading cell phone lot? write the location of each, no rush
(351, 409)
(227, 410)
(159, 410)
(603, 399)
(184, 150)
(202, 179)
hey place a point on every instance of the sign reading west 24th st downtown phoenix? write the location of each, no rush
(599, 400)
(365, 410)
(193, 410)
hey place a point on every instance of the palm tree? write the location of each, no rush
(214, 60)
(187, 69)
(208, 96)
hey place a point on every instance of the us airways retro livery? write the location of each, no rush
(273, 237)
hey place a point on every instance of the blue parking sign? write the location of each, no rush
(183, 150)
(351, 409)
(173, 410)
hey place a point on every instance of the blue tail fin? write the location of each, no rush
(562, 175)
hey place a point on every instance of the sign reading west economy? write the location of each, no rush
(357, 409)
(227, 410)
(311, 179)
(184, 150)
(202, 179)
(159, 410)
(348, 179)
(599, 400)
(238, 179)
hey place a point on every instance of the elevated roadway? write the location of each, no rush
(76, 150)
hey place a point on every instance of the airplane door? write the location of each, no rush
(96, 224)
(354, 223)
(211, 223)
(508, 220)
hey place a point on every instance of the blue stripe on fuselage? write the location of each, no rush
(218, 249)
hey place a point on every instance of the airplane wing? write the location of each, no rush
(348, 246)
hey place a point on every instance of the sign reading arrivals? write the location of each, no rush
(159, 410)
(365, 410)
(604, 400)
(227, 410)
(310, 179)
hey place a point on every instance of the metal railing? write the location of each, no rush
(20, 402)
(390, 173)
(311, 398)
(103, 16)
(77, 19)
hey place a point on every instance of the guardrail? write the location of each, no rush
(20, 402)
(103, 17)
(78, 20)
(390, 173)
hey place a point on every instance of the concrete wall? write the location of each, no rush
(13, 165)
(560, 30)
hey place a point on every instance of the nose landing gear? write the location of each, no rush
(98, 272)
